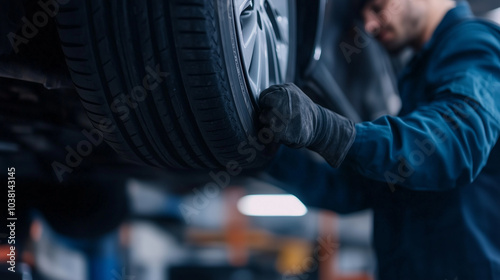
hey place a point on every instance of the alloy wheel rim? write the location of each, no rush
(263, 36)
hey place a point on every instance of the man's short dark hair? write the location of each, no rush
(360, 3)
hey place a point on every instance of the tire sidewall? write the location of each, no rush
(246, 108)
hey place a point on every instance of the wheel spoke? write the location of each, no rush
(241, 5)
(264, 64)
(274, 72)
(249, 36)
(278, 13)
(254, 65)
(249, 28)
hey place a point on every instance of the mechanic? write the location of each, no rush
(432, 174)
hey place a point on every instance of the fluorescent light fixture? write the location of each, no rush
(271, 205)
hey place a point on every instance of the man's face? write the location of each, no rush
(395, 23)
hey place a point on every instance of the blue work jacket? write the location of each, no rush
(431, 174)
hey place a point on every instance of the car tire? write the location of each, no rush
(169, 83)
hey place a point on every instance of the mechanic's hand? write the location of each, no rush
(298, 122)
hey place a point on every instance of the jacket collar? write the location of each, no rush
(454, 16)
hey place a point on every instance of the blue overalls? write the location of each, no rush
(432, 174)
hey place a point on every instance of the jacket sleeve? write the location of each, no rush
(319, 185)
(445, 143)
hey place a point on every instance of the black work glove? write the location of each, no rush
(297, 121)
